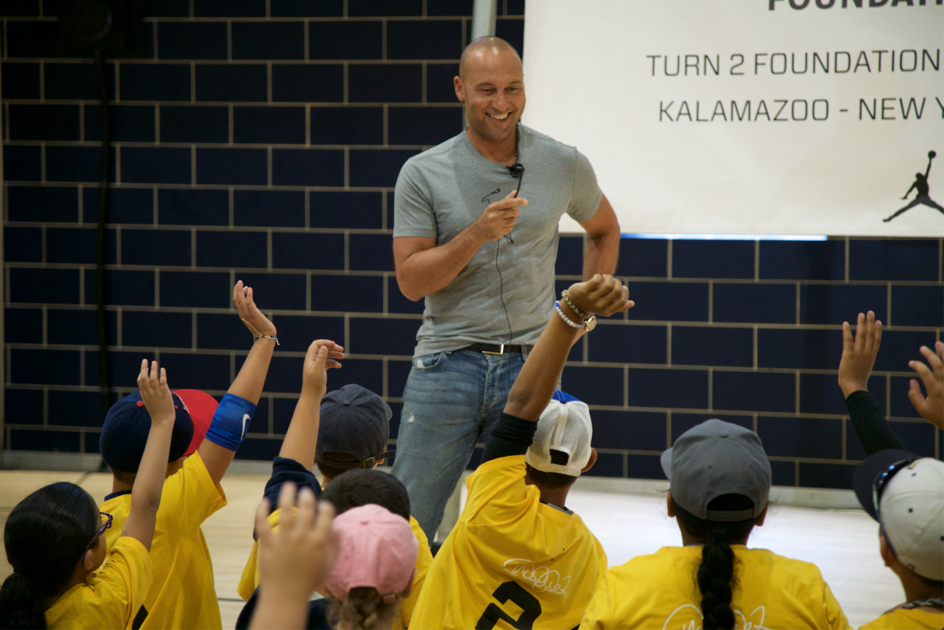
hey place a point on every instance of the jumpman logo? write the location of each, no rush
(920, 185)
(246, 419)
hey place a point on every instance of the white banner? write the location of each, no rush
(747, 116)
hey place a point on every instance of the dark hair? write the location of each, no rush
(336, 464)
(124, 477)
(552, 480)
(716, 578)
(362, 486)
(45, 537)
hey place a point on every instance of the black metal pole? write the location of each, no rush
(101, 240)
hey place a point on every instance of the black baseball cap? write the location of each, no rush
(354, 421)
(126, 428)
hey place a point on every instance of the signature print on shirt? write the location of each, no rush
(543, 579)
(685, 622)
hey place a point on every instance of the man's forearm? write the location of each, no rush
(602, 254)
(430, 270)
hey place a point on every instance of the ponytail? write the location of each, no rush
(715, 579)
(715, 573)
(21, 604)
(363, 610)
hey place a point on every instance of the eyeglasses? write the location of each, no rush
(106, 523)
(879, 485)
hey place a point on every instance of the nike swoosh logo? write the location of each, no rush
(246, 419)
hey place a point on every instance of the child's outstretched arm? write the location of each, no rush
(232, 417)
(302, 435)
(601, 295)
(146, 492)
(855, 367)
(295, 560)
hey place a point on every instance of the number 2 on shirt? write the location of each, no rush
(529, 604)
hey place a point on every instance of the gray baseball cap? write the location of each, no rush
(354, 421)
(713, 459)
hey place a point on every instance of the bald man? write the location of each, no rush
(475, 234)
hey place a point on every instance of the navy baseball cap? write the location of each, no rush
(125, 432)
(354, 421)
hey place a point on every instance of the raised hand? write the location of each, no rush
(258, 323)
(858, 355)
(931, 407)
(323, 355)
(155, 393)
(601, 295)
(295, 560)
(499, 218)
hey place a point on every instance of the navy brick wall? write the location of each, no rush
(261, 141)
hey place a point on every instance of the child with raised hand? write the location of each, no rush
(349, 490)
(182, 594)
(719, 479)
(54, 540)
(904, 492)
(855, 368)
(518, 557)
(901, 490)
(344, 430)
(294, 559)
(296, 456)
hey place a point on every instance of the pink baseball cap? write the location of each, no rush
(377, 549)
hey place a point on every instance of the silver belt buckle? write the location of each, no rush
(501, 350)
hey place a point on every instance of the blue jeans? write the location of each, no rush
(451, 401)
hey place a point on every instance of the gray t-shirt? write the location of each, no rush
(444, 190)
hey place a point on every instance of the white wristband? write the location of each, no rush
(565, 318)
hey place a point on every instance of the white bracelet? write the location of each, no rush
(565, 318)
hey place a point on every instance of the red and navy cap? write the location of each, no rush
(127, 424)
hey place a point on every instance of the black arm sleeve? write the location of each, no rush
(511, 436)
(285, 469)
(871, 427)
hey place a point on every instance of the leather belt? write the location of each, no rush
(488, 348)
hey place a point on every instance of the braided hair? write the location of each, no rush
(363, 610)
(716, 572)
(44, 537)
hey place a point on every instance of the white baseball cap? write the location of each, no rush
(910, 507)
(564, 426)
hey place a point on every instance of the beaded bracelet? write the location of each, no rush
(256, 336)
(573, 306)
(564, 317)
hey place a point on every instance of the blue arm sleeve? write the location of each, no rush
(230, 422)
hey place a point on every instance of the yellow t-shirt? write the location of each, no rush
(183, 594)
(661, 591)
(510, 561)
(112, 595)
(907, 619)
(250, 576)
